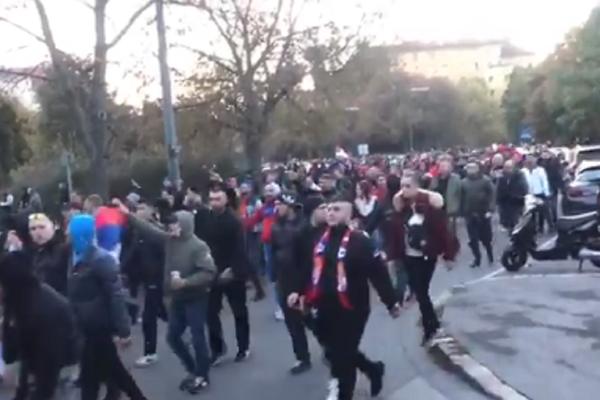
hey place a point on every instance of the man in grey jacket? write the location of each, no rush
(477, 207)
(189, 273)
(449, 186)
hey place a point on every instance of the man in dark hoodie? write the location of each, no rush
(477, 206)
(97, 298)
(44, 324)
(188, 273)
(286, 256)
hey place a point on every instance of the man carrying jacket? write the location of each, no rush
(188, 273)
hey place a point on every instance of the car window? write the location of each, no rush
(589, 175)
(588, 155)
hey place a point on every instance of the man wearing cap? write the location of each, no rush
(344, 262)
(286, 256)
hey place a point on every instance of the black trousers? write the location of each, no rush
(295, 323)
(154, 309)
(479, 229)
(420, 272)
(340, 332)
(46, 380)
(509, 215)
(100, 363)
(236, 296)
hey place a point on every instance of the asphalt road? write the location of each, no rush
(411, 371)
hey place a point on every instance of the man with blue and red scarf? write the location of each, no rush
(344, 262)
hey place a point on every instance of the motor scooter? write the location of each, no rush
(577, 237)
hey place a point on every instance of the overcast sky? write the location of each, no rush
(536, 25)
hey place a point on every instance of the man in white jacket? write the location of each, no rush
(539, 186)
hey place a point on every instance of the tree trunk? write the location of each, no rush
(97, 173)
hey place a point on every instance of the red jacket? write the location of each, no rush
(439, 240)
(267, 215)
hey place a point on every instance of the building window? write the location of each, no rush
(477, 66)
(492, 92)
(491, 79)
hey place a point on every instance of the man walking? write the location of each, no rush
(512, 189)
(447, 183)
(477, 207)
(344, 262)
(189, 272)
(539, 186)
(225, 237)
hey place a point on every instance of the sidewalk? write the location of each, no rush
(539, 335)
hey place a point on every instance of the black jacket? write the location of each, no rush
(224, 234)
(286, 252)
(146, 260)
(51, 262)
(512, 190)
(97, 297)
(363, 265)
(39, 327)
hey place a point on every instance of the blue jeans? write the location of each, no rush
(268, 254)
(401, 281)
(192, 314)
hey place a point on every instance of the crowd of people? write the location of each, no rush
(311, 236)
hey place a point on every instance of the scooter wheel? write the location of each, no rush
(513, 259)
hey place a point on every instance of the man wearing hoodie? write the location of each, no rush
(189, 271)
(97, 299)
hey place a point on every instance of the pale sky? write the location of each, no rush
(536, 25)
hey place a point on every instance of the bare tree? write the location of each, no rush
(262, 62)
(89, 110)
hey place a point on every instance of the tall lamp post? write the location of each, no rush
(167, 103)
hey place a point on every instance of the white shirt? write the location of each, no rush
(9, 201)
(537, 181)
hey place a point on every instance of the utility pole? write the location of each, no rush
(167, 104)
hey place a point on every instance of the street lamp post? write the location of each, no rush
(167, 103)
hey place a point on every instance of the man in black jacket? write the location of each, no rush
(148, 256)
(224, 234)
(286, 256)
(50, 255)
(512, 189)
(44, 326)
(97, 298)
(344, 262)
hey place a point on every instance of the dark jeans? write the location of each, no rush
(236, 296)
(420, 272)
(509, 215)
(192, 314)
(401, 281)
(254, 254)
(46, 381)
(295, 323)
(100, 363)
(341, 332)
(479, 229)
(545, 214)
(154, 309)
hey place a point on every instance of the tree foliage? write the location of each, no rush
(561, 97)
(15, 127)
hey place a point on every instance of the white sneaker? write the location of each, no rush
(279, 315)
(334, 390)
(146, 360)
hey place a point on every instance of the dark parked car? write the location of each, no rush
(582, 192)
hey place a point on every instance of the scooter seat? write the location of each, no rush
(566, 223)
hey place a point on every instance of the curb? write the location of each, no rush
(458, 357)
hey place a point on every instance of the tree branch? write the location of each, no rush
(23, 74)
(134, 17)
(23, 29)
(269, 40)
(221, 62)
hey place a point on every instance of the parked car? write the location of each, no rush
(582, 192)
(584, 153)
